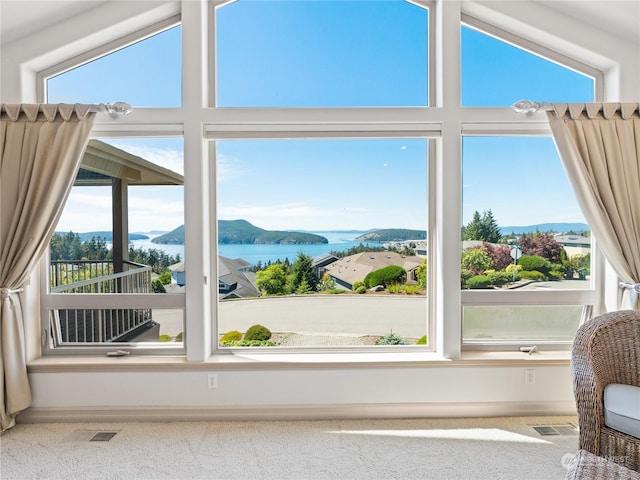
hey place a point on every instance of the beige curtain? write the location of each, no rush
(40, 150)
(600, 148)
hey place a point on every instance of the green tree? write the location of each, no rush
(272, 280)
(482, 227)
(302, 271)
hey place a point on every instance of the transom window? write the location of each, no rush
(321, 54)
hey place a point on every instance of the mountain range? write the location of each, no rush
(546, 227)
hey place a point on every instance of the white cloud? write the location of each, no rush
(228, 168)
(300, 216)
(167, 158)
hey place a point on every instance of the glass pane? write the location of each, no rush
(145, 74)
(321, 54)
(522, 227)
(71, 326)
(145, 177)
(302, 224)
(526, 323)
(497, 74)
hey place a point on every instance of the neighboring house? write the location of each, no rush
(235, 280)
(320, 262)
(177, 273)
(350, 269)
(574, 244)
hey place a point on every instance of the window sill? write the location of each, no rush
(293, 361)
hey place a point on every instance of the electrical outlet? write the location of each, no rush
(212, 380)
(529, 376)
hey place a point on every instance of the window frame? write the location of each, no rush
(423, 131)
(445, 121)
(592, 298)
(122, 129)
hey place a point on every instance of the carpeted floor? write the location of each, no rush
(486, 448)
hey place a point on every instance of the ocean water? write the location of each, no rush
(253, 254)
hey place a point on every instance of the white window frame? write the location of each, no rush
(445, 121)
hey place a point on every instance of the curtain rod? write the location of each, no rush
(114, 110)
(529, 107)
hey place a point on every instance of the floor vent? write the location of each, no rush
(545, 430)
(90, 436)
(103, 436)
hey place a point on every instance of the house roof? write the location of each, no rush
(231, 271)
(103, 162)
(355, 267)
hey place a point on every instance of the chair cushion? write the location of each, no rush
(622, 408)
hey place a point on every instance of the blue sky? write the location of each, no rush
(331, 54)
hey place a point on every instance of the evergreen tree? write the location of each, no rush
(483, 228)
(302, 271)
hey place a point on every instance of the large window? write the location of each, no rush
(526, 255)
(304, 168)
(121, 233)
(315, 228)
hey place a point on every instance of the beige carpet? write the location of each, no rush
(491, 448)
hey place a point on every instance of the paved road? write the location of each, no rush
(342, 314)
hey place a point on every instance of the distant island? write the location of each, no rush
(104, 236)
(243, 232)
(393, 235)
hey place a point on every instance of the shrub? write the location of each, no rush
(534, 262)
(386, 276)
(257, 332)
(357, 284)
(422, 340)
(361, 289)
(165, 338)
(157, 286)
(165, 277)
(533, 275)
(391, 339)
(335, 291)
(479, 281)
(543, 245)
(303, 288)
(464, 276)
(232, 336)
(500, 255)
(326, 283)
(476, 260)
(500, 278)
(412, 289)
(556, 275)
(394, 288)
(179, 337)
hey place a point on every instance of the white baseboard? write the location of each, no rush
(292, 412)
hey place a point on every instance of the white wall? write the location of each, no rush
(441, 386)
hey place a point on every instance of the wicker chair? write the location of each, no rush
(606, 350)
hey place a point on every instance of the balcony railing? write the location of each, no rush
(96, 276)
(99, 325)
